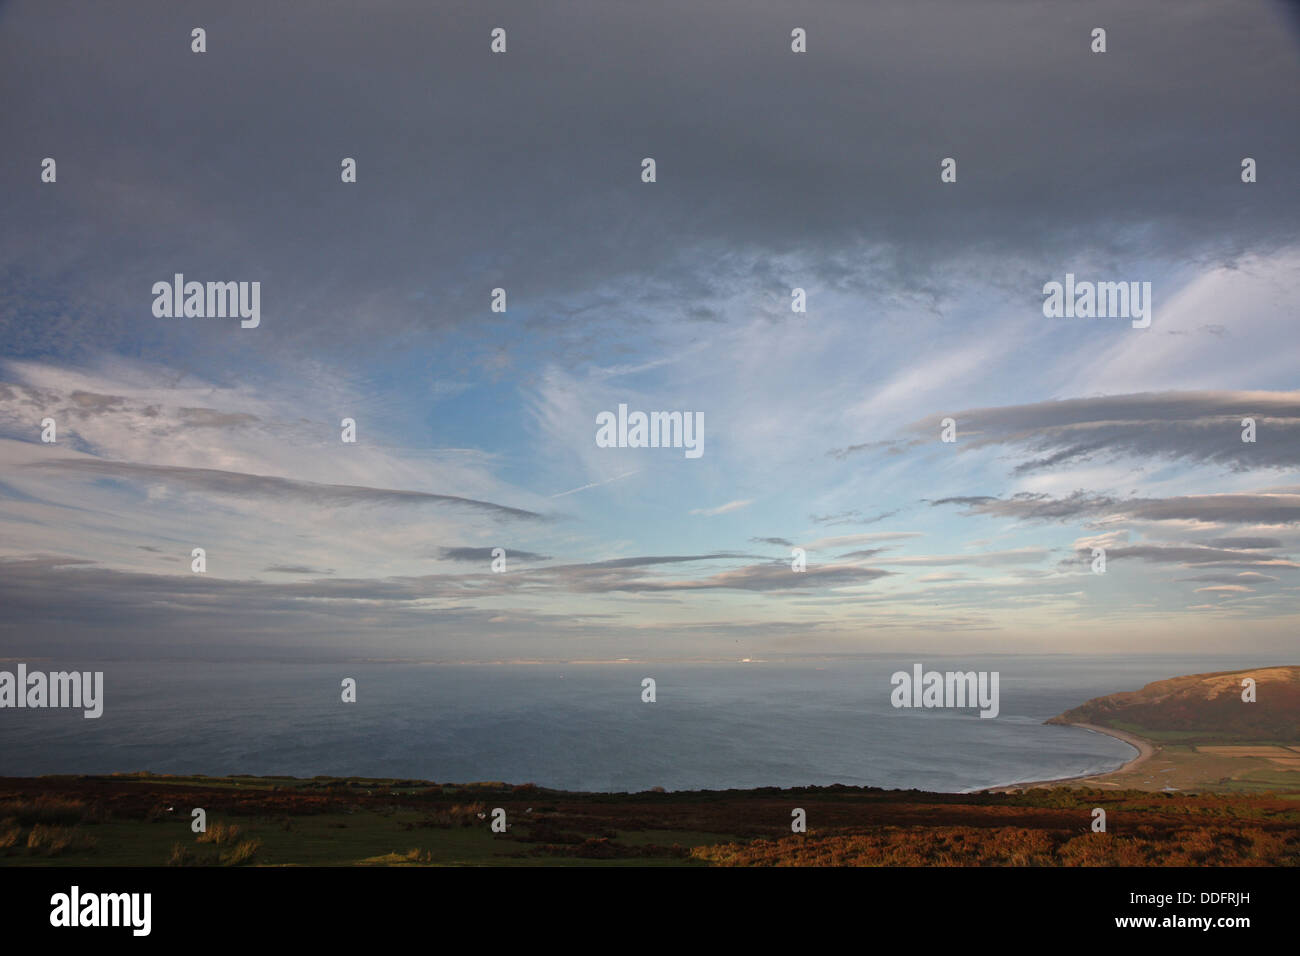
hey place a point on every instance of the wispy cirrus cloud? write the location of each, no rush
(729, 507)
(241, 485)
(848, 540)
(1264, 508)
(1200, 427)
(1190, 555)
(485, 555)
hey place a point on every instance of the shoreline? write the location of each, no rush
(1146, 749)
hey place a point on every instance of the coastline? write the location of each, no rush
(1146, 749)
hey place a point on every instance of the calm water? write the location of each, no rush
(714, 726)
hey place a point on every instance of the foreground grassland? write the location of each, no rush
(144, 820)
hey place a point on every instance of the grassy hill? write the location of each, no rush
(1204, 707)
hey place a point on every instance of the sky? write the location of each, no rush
(476, 429)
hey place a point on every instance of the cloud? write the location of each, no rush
(142, 215)
(852, 517)
(984, 559)
(484, 555)
(766, 577)
(889, 446)
(1262, 508)
(729, 507)
(594, 484)
(643, 562)
(239, 484)
(1238, 578)
(1245, 543)
(1202, 427)
(847, 540)
(210, 418)
(863, 553)
(1193, 555)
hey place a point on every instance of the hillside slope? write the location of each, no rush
(1205, 706)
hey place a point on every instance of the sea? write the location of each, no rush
(585, 726)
